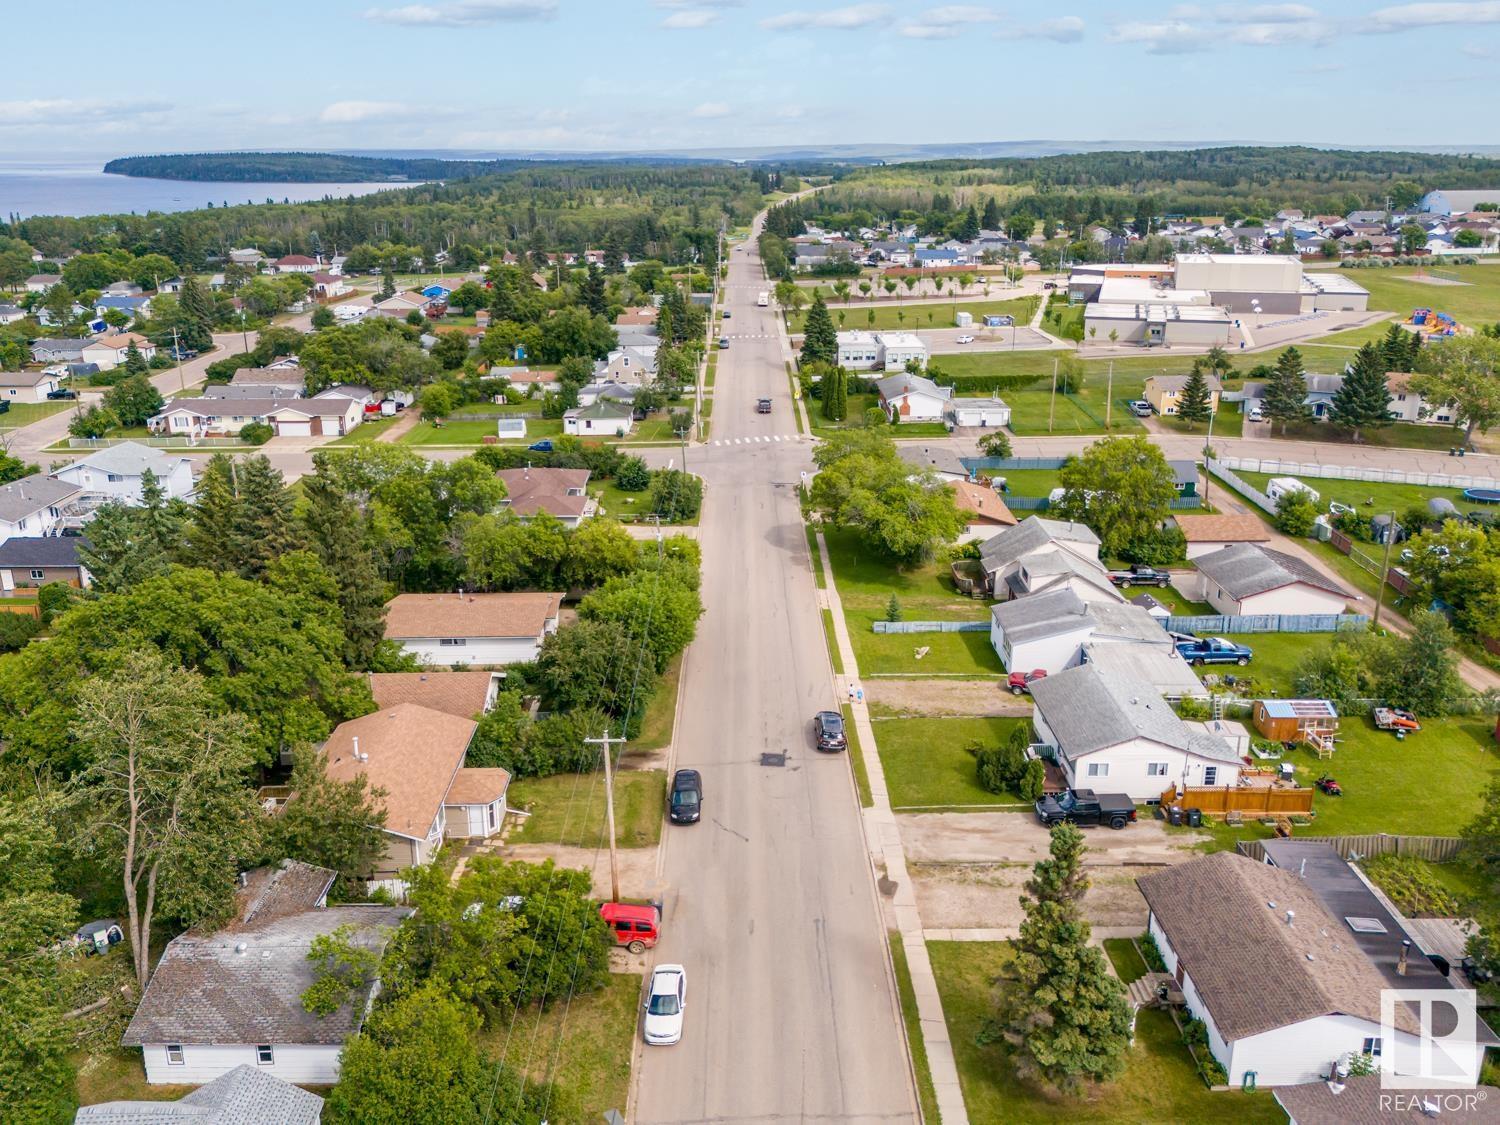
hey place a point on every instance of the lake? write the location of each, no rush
(61, 188)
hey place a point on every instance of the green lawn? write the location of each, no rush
(866, 581)
(1169, 597)
(926, 1094)
(834, 657)
(1159, 1083)
(474, 433)
(1065, 320)
(1386, 497)
(854, 414)
(366, 432)
(1228, 423)
(857, 760)
(661, 712)
(627, 507)
(927, 763)
(24, 413)
(1474, 303)
(1037, 483)
(1398, 435)
(1126, 959)
(118, 1075)
(562, 812)
(1035, 410)
(891, 315)
(585, 1047)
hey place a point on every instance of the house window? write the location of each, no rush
(1098, 769)
(264, 1055)
(1156, 769)
(490, 812)
(453, 642)
(1372, 1047)
(114, 478)
(1210, 775)
(174, 1054)
(37, 572)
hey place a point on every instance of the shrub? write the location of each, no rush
(1295, 514)
(676, 496)
(16, 629)
(1409, 883)
(893, 609)
(1033, 780)
(54, 598)
(632, 475)
(1213, 1071)
(1151, 954)
(256, 433)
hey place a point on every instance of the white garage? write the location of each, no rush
(293, 428)
(978, 412)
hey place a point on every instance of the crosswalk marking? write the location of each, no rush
(758, 438)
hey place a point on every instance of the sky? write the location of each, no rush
(594, 75)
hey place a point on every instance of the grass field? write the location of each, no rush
(1159, 1083)
(857, 760)
(661, 712)
(866, 582)
(24, 413)
(366, 432)
(1474, 303)
(1398, 435)
(563, 812)
(893, 315)
(1228, 423)
(926, 1094)
(927, 763)
(1387, 497)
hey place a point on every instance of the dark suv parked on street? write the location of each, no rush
(828, 730)
(685, 803)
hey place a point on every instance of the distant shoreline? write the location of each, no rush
(296, 168)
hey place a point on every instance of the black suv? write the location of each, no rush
(762, 406)
(61, 393)
(828, 730)
(685, 803)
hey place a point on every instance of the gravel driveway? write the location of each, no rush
(945, 698)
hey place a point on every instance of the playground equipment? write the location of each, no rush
(1430, 323)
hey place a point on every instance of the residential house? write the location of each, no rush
(1408, 405)
(41, 282)
(1185, 476)
(1364, 1099)
(645, 315)
(1039, 554)
(984, 511)
(297, 263)
(416, 754)
(1212, 917)
(132, 306)
(365, 396)
(401, 305)
(287, 417)
(27, 563)
(10, 314)
(278, 382)
(977, 413)
(1248, 579)
(171, 285)
(117, 473)
(937, 258)
(1206, 534)
(53, 350)
(634, 363)
(1112, 732)
(602, 418)
(942, 461)
(34, 505)
(109, 351)
(623, 393)
(327, 285)
(464, 694)
(479, 629)
(912, 398)
(27, 386)
(249, 258)
(242, 392)
(638, 336)
(245, 1094)
(1164, 392)
(1318, 400)
(233, 996)
(561, 493)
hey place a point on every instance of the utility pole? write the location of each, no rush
(1052, 402)
(177, 353)
(1385, 568)
(1206, 474)
(609, 810)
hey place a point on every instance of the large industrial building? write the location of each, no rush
(1195, 301)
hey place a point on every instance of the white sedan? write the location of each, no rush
(966, 339)
(665, 1001)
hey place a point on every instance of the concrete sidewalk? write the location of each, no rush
(884, 839)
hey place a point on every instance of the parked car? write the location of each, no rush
(762, 406)
(723, 342)
(1085, 807)
(966, 339)
(1020, 682)
(61, 392)
(1139, 575)
(1213, 650)
(637, 928)
(686, 799)
(543, 446)
(182, 353)
(666, 998)
(1140, 408)
(828, 731)
(727, 314)
(1256, 414)
(4, 407)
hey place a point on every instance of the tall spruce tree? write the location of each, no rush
(1363, 401)
(820, 343)
(242, 521)
(1286, 390)
(1068, 1018)
(835, 403)
(338, 533)
(1398, 348)
(1196, 403)
(592, 291)
(135, 362)
(991, 220)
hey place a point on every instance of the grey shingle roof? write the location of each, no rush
(31, 494)
(1245, 569)
(1088, 709)
(1365, 1101)
(245, 1095)
(1027, 536)
(1126, 621)
(131, 459)
(1043, 615)
(1226, 912)
(932, 457)
(48, 550)
(893, 386)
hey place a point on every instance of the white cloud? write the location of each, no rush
(852, 18)
(465, 13)
(1166, 37)
(1403, 17)
(1063, 29)
(352, 112)
(700, 3)
(1267, 13)
(711, 110)
(1189, 28)
(947, 22)
(36, 112)
(690, 19)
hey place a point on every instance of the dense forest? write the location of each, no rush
(300, 167)
(670, 212)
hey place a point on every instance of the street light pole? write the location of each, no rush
(1212, 414)
(609, 809)
(177, 354)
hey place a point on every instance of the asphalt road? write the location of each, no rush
(770, 900)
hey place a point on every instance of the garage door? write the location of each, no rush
(294, 429)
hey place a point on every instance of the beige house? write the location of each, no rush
(1248, 579)
(562, 493)
(464, 694)
(1164, 392)
(109, 351)
(1206, 533)
(487, 630)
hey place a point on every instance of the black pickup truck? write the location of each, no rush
(1084, 806)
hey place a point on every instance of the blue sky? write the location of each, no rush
(614, 74)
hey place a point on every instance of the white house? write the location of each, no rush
(1407, 405)
(979, 413)
(601, 418)
(109, 351)
(1250, 579)
(561, 493)
(115, 473)
(41, 282)
(1111, 732)
(287, 417)
(634, 364)
(1044, 632)
(942, 461)
(27, 386)
(297, 263)
(233, 997)
(402, 305)
(33, 505)
(278, 381)
(347, 312)
(1041, 554)
(10, 314)
(474, 629)
(913, 398)
(246, 1093)
(1279, 981)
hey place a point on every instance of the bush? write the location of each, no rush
(1002, 769)
(1161, 547)
(676, 496)
(53, 599)
(1212, 1070)
(1410, 885)
(1295, 514)
(92, 423)
(632, 475)
(1151, 954)
(1195, 1033)
(16, 629)
(256, 433)
(1033, 780)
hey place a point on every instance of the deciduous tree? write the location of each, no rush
(329, 823)
(1464, 371)
(1121, 487)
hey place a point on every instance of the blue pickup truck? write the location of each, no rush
(1213, 650)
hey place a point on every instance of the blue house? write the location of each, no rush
(937, 257)
(135, 306)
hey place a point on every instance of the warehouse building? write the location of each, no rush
(1158, 323)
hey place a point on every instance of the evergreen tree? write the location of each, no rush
(1196, 403)
(991, 217)
(834, 397)
(243, 519)
(135, 362)
(387, 283)
(1398, 349)
(968, 227)
(195, 303)
(591, 292)
(1067, 1013)
(1363, 400)
(1286, 390)
(338, 533)
(820, 342)
(614, 253)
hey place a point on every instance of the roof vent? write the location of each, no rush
(240, 948)
(1290, 914)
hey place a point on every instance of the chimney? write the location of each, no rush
(1290, 914)
(1401, 964)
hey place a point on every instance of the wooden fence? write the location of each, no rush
(1262, 799)
(26, 609)
(1438, 849)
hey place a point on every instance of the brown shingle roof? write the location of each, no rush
(410, 616)
(122, 341)
(463, 694)
(411, 752)
(545, 490)
(291, 887)
(478, 786)
(1223, 529)
(983, 504)
(1225, 916)
(1365, 1101)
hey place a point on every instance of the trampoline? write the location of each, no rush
(1483, 495)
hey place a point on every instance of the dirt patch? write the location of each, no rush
(988, 896)
(637, 867)
(979, 838)
(1428, 279)
(944, 698)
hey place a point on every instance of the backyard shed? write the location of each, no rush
(1292, 720)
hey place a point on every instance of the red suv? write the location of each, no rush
(637, 928)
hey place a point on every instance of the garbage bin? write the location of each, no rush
(1195, 818)
(1174, 816)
